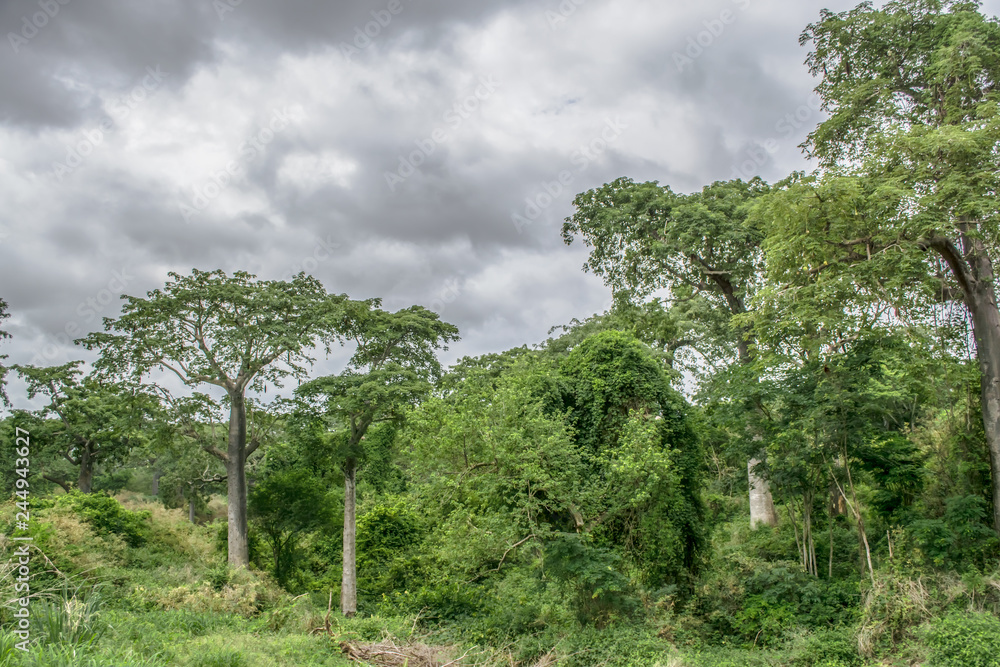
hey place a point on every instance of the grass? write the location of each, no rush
(172, 601)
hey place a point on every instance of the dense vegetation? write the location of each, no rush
(824, 492)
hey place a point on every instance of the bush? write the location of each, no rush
(964, 640)
(962, 538)
(829, 648)
(107, 515)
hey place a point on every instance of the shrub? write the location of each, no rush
(829, 648)
(964, 640)
(962, 538)
(106, 515)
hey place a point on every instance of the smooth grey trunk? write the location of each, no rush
(761, 502)
(155, 491)
(85, 482)
(349, 581)
(236, 482)
(191, 509)
(986, 329)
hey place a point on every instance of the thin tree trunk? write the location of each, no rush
(349, 582)
(236, 483)
(795, 531)
(191, 509)
(85, 481)
(830, 568)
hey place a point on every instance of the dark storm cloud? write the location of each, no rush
(423, 151)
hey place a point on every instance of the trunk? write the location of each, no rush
(349, 583)
(795, 529)
(191, 509)
(761, 503)
(986, 329)
(973, 270)
(85, 482)
(830, 567)
(155, 491)
(236, 482)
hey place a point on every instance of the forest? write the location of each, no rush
(780, 445)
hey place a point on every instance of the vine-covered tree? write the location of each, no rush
(701, 247)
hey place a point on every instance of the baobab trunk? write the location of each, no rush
(761, 502)
(236, 483)
(85, 481)
(973, 270)
(986, 329)
(349, 582)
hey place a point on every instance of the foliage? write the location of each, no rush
(965, 640)
(107, 515)
(282, 507)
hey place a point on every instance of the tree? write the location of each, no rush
(905, 210)
(645, 237)
(393, 366)
(644, 459)
(231, 332)
(86, 423)
(286, 504)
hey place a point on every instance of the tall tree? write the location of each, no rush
(393, 366)
(644, 237)
(905, 210)
(234, 332)
(86, 423)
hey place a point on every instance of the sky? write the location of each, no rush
(421, 151)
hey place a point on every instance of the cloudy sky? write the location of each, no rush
(424, 151)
